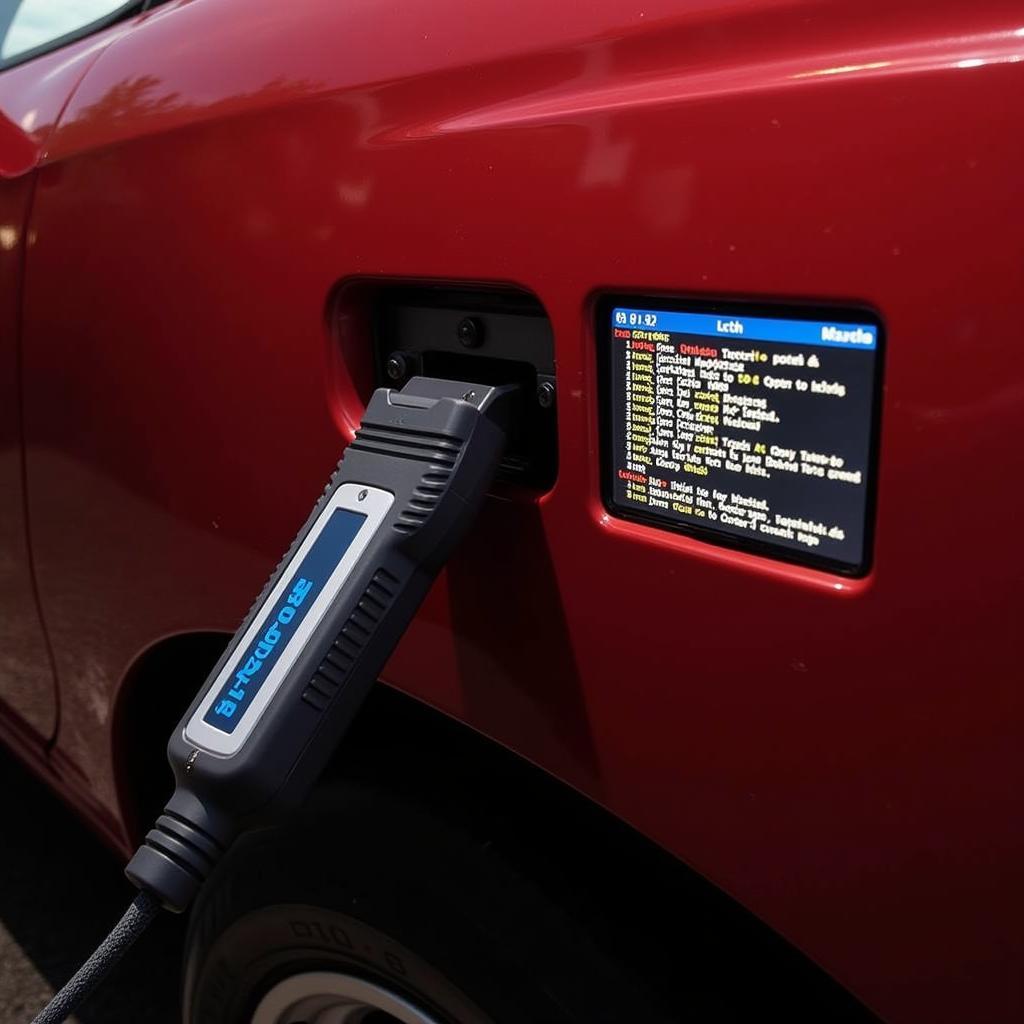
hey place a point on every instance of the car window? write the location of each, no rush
(28, 27)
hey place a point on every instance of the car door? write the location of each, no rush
(44, 51)
(841, 756)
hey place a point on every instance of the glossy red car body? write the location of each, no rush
(183, 193)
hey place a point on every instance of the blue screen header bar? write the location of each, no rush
(750, 328)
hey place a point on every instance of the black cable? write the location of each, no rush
(143, 909)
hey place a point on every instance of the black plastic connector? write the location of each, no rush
(430, 452)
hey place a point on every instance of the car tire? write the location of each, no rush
(396, 913)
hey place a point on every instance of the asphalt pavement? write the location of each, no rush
(61, 891)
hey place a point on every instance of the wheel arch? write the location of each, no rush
(600, 867)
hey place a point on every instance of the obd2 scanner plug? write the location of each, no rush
(274, 708)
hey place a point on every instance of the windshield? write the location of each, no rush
(28, 25)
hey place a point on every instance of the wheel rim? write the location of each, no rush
(328, 997)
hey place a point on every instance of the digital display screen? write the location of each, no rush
(251, 667)
(753, 431)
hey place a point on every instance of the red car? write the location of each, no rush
(717, 712)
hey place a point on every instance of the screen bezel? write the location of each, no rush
(374, 505)
(750, 308)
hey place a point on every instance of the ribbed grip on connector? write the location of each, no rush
(333, 671)
(404, 443)
(174, 860)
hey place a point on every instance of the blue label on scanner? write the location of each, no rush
(277, 629)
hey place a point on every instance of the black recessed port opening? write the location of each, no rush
(483, 336)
